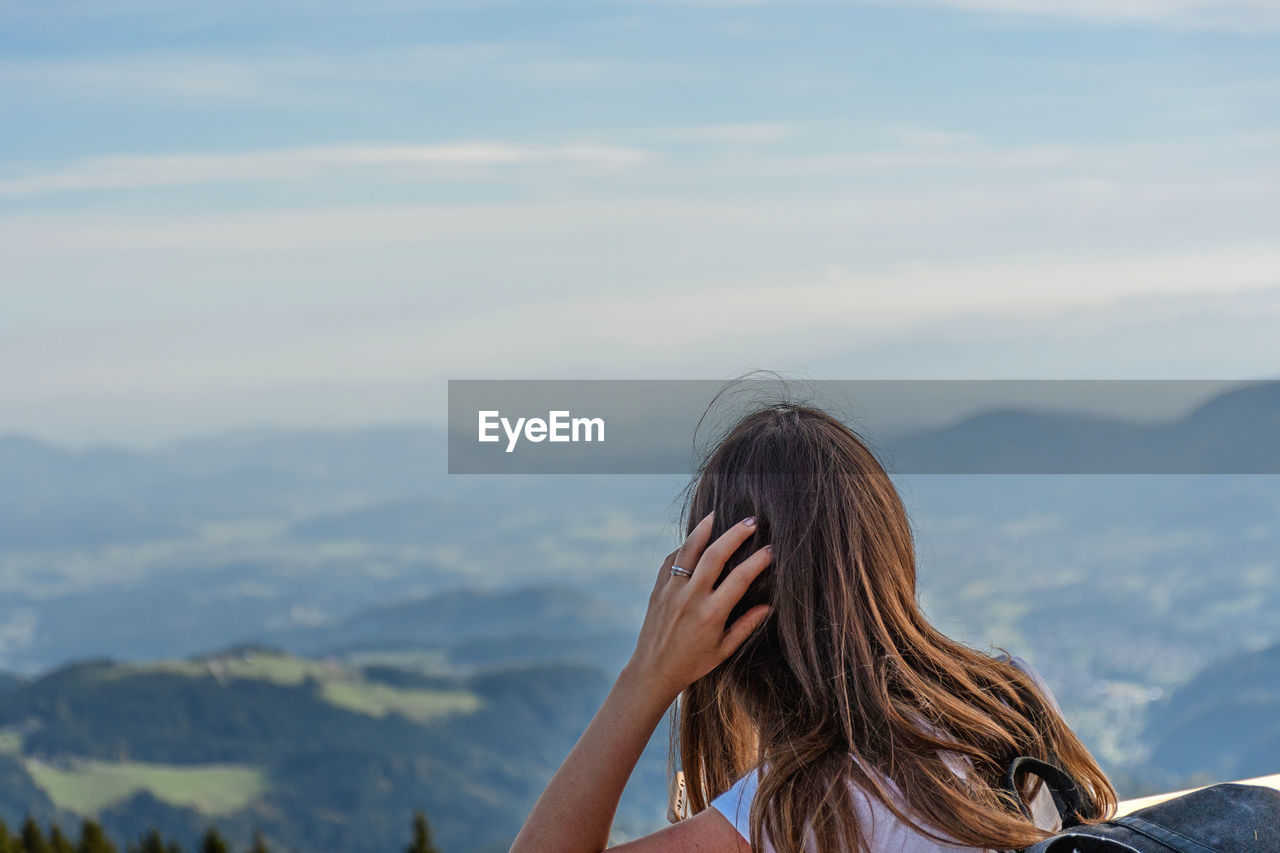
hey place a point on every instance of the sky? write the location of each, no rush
(277, 212)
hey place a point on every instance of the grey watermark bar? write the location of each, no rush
(642, 426)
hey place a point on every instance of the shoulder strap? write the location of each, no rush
(1066, 793)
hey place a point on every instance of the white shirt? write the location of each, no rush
(882, 829)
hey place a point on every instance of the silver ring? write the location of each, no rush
(681, 573)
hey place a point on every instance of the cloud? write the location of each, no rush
(1210, 14)
(197, 319)
(1240, 15)
(920, 138)
(958, 156)
(748, 133)
(616, 233)
(465, 159)
(180, 76)
(693, 328)
(1229, 14)
(308, 74)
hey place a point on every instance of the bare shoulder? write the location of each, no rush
(706, 832)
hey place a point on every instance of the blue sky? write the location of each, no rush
(287, 212)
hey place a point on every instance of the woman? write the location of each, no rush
(818, 710)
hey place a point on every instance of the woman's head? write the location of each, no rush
(843, 565)
(846, 679)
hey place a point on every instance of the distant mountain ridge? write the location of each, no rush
(51, 496)
(1235, 432)
(471, 628)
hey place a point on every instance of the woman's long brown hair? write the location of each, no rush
(846, 681)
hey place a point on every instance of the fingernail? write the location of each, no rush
(768, 549)
(750, 522)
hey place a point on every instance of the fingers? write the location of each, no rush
(733, 587)
(664, 574)
(741, 629)
(688, 553)
(712, 561)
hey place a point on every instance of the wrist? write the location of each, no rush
(647, 686)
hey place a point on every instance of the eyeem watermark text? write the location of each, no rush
(558, 426)
(916, 426)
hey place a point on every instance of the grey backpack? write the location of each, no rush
(1226, 818)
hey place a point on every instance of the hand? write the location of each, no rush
(684, 636)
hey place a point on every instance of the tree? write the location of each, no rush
(32, 838)
(92, 839)
(213, 842)
(58, 842)
(259, 843)
(151, 842)
(421, 836)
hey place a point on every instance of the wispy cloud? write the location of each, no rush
(957, 158)
(1212, 14)
(748, 133)
(920, 151)
(918, 138)
(1230, 14)
(722, 325)
(1084, 209)
(462, 160)
(299, 75)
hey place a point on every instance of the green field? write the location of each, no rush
(276, 668)
(86, 787)
(340, 685)
(428, 661)
(378, 700)
(10, 743)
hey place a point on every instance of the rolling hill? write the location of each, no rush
(1222, 724)
(317, 754)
